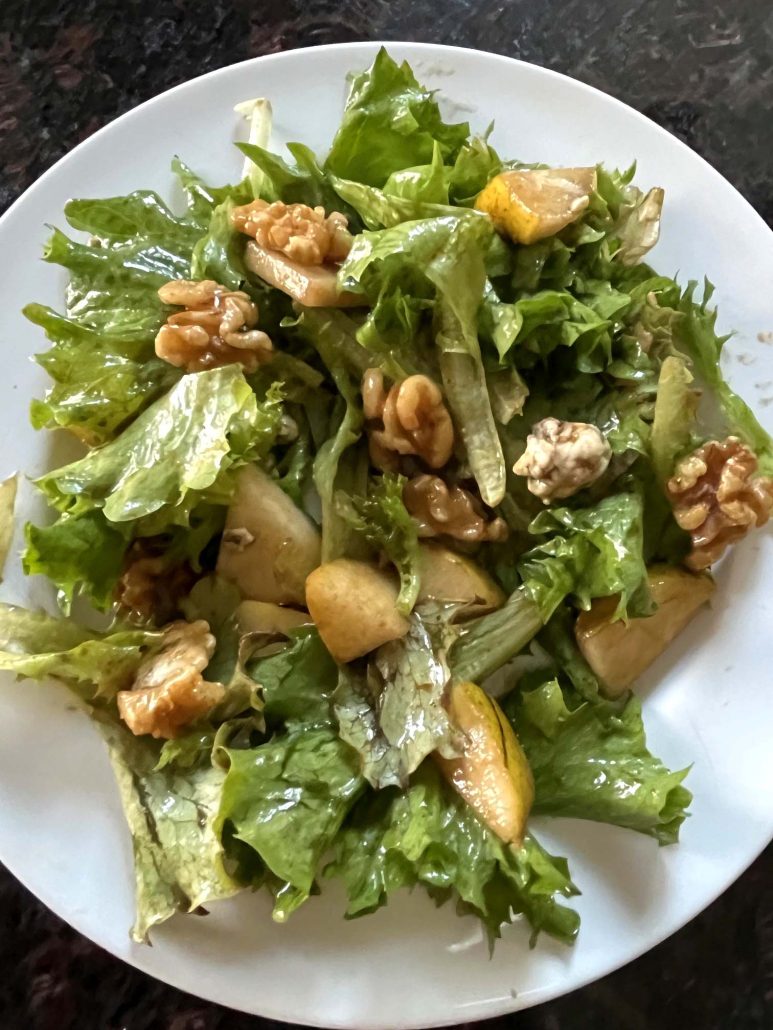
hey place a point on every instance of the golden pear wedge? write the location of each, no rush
(493, 774)
(528, 204)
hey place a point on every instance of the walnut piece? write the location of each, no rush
(169, 692)
(562, 458)
(150, 587)
(216, 328)
(450, 510)
(410, 418)
(717, 498)
(304, 234)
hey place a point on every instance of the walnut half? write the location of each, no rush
(410, 418)
(450, 510)
(304, 234)
(169, 692)
(562, 457)
(216, 328)
(717, 498)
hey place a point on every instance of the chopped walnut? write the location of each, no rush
(216, 328)
(150, 587)
(452, 511)
(717, 498)
(304, 234)
(411, 418)
(169, 692)
(562, 458)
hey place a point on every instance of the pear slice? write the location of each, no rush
(493, 774)
(618, 652)
(353, 607)
(269, 545)
(448, 576)
(528, 204)
(314, 286)
(264, 617)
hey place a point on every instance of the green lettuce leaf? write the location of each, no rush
(427, 835)
(675, 413)
(332, 334)
(444, 255)
(390, 123)
(93, 665)
(383, 520)
(100, 381)
(297, 683)
(285, 801)
(181, 444)
(592, 763)
(79, 554)
(171, 811)
(695, 334)
(601, 548)
(393, 714)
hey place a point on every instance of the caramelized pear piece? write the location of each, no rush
(448, 576)
(493, 775)
(313, 286)
(264, 617)
(353, 606)
(269, 545)
(619, 652)
(528, 204)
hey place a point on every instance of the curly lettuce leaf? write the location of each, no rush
(592, 762)
(332, 334)
(297, 683)
(427, 835)
(393, 714)
(285, 801)
(101, 381)
(171, 808)
(695, 334)
(79, 554)
(93, 665)
(383, 520)
(601, 549)
(676, 406)
(181, 444)
(390, 123)
(444, 256)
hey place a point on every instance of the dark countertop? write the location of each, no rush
(701, 68)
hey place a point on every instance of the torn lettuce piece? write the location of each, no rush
(297, 684)
(206, 424)
(600, 549)
(8, 490)
(428, 835)
(592, 762)
(383, 520)
(393, 714)
(285, 800)
(95, 666)
(676, 405)
(390, 123)
(331, 333)
(101, 381)
(437, 263)
(171, 809)
(695, 334)
(79, 554)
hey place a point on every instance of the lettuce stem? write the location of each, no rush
(494, 639)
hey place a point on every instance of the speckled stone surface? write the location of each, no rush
(702, 69)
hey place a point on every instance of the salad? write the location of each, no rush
(399, 469)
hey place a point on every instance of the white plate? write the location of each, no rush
(707, 702)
